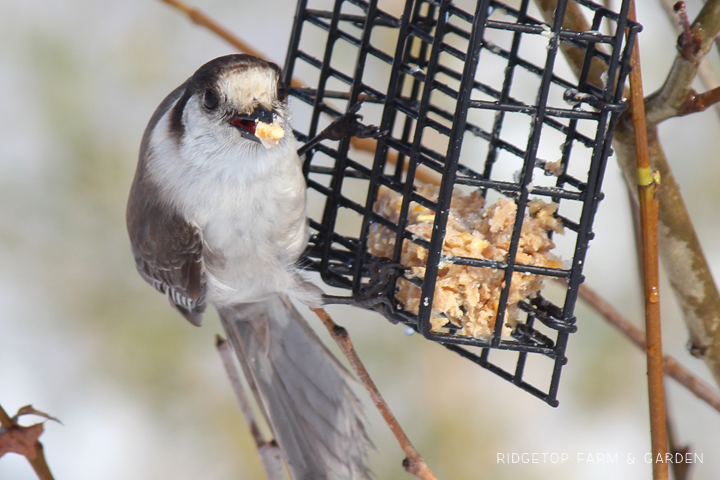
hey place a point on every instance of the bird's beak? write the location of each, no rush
(247, 124)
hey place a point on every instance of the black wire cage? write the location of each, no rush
(475, 99)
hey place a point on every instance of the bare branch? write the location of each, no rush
(672, 367)
(705, 73)
(680, 470)
(203, 20)
(693, 45)
(698, 102)
(647, 190)
(413, 463)
(269, 451)
(680, 250)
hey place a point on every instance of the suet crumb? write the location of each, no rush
(269, 134)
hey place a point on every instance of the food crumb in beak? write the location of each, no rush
(269, 134)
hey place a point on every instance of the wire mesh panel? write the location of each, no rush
(486, 178)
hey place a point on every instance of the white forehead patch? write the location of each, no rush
(246, 89)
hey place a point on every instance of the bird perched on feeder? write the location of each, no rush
(216, 215)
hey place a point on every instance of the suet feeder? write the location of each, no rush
(478, 99)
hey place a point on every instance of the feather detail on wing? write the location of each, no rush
(168, 250)
(175, 269)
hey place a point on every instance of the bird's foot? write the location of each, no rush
(349, 126)
(374, 296)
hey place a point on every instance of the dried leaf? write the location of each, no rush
(21, 440)
(30, 410)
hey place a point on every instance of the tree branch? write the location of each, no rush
(203, 20)
(705, 73)
(647, 191)
(692, 48)
(269, 452)
(413, 463)
(672, 367)
(698, 102)
(680, 250)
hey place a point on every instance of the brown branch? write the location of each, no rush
(413, 463)
(705, 73)
(698, 102)
(679, 9)
(692, 48)
(269, 452)
(680, 470)
(203, 20)
(672, 367)
(680, 251)
(647, 188)
(38, 464)
(682, 255)
(574, 20)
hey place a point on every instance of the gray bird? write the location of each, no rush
(217, 215)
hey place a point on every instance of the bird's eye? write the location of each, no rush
(210, 100)
(281, 91)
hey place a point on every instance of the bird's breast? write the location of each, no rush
(254, 230)
(249, 204)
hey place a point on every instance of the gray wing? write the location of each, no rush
(168, 250)
(168, 255)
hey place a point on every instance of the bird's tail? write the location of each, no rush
(304, 392)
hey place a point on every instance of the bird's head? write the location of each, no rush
(236, 100)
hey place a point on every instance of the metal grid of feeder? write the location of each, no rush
(479, 94)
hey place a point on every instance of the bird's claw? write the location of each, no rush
(374, 296)
(349, 126)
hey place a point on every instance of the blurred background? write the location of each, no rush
(142, 394)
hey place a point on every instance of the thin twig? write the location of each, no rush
(693, 47)
(647, 186)
(224, 349)
(698, 102)
(705, 73)
(574, 20)
(269, 451)
(203, 20)
(680, 469)
(38, 464)
(672, 368)
(687, 42)
(413, 463)
(683, 258)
